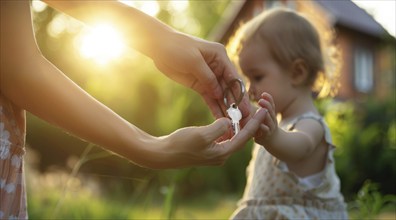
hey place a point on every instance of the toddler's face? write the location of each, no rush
(264, 74)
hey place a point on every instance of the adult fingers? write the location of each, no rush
(214, 105)
(206, 77)
(244, 105)
(246, 109)
(217, 129)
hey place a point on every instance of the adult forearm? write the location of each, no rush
(49, 94)
(140, 30)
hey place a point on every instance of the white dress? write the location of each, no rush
(274, 192)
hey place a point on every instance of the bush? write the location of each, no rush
(364, 134)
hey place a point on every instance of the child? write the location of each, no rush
(292, 172)
(30, 82)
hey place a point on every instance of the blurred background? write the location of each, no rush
(69, 178)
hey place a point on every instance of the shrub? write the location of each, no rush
(364, 134)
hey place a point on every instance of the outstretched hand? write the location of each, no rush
(194, 146)
(269, 125)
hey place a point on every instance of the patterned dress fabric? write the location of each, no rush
(12, 150)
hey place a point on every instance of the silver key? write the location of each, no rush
(235, 114)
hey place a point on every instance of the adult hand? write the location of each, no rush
(201, 65)
(194, 146)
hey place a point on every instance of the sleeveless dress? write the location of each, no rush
(274, 192)
(12, 149)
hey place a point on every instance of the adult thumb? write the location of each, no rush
(217, 129)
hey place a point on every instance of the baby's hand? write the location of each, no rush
(269, 125)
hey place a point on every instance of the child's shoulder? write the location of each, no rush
(312, 123)
(306, 118)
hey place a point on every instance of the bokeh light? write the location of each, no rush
(38, 6)
(149, 7)
(101, 43)
(178, 6)
(58, 25)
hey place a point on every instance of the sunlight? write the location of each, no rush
(101, 43)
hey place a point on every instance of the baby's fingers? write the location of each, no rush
(267, 105)
(266, 129)
(269, 98)
(269, 123)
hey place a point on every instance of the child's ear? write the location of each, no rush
(300, 72)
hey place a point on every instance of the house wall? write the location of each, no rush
(386, 75)
(349, 41)
(346, 89)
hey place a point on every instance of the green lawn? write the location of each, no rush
(83, 204)
(57, 196)
(49, 198)
(86, 205)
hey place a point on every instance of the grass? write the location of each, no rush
(82, 203)
(84, 200)
(59, 195)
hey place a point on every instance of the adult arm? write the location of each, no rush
(33, 83)
(196, 63)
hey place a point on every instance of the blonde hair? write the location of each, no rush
(290, 36)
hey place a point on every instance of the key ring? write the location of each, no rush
(228, 89)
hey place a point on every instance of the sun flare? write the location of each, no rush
(101, 43)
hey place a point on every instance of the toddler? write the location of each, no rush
(292, 172)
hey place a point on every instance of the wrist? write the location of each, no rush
(150, 36)
(141, 148)
(271, 140)
(160, 49)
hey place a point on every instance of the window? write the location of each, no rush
(363, 76)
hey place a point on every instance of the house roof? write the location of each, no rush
(342, 12)
(348, 14)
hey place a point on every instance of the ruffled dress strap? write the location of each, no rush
(311, 115)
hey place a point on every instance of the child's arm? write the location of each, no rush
(196, 63)
(288, 146)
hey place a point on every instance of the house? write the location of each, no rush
(367, 50)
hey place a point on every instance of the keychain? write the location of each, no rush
(233, 111)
